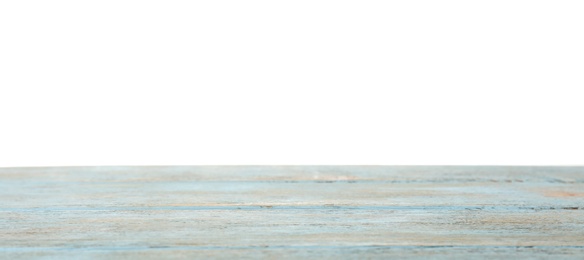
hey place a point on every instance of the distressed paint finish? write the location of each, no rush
(292, 211)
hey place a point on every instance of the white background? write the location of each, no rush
(119, 82)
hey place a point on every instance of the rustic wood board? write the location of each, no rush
(292, 212)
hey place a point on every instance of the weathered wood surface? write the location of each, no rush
(292, 212)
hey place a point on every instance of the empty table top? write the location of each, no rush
(292, 212)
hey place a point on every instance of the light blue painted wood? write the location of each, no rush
(292, 211)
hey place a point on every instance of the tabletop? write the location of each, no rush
(331, 212)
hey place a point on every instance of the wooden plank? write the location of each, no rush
(297, 211)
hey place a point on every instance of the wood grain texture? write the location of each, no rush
(292, 212)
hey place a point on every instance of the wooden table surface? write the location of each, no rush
(292, 212)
